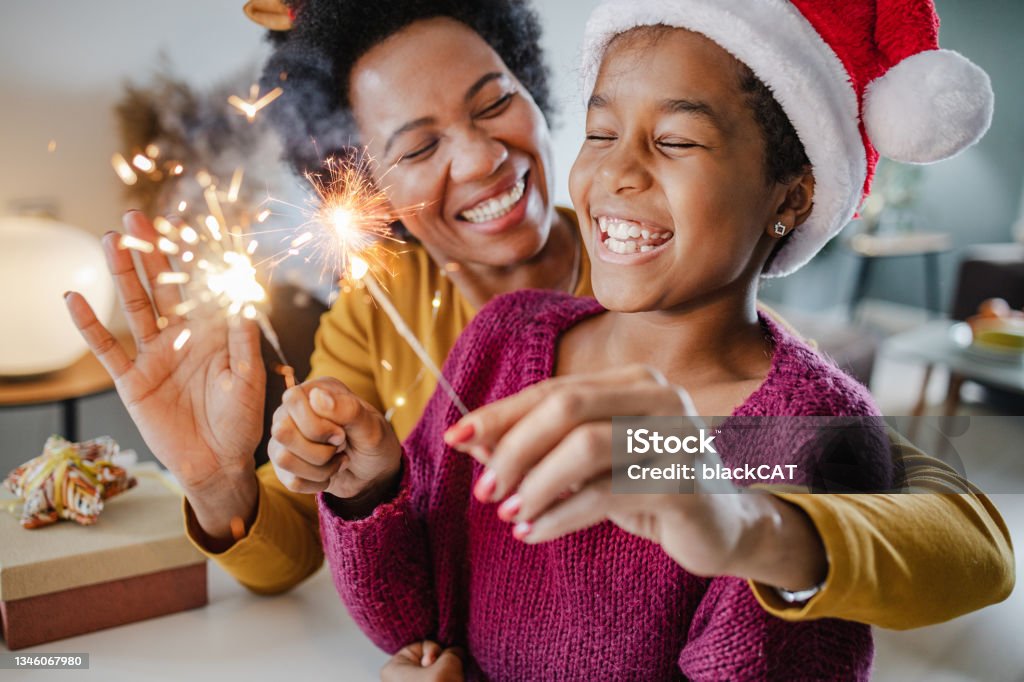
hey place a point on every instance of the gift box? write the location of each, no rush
(135, 563)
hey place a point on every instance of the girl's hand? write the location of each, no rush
(548, 455)
(424, 662)
(200, 408)
(325, 438)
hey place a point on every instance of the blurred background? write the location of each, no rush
(933, 246)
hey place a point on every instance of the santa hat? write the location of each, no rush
(857, 78)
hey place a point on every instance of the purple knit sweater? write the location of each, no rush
(599, 604)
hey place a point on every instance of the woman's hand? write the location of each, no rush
(200, 408)
(424, 662)
(325, 438)
(548, 455)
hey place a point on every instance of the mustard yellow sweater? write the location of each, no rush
(896, 561)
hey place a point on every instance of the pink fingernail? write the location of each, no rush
(521, 530)
(485, 486)
(337, 440)
(510, 507)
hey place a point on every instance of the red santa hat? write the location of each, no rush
(857, 78)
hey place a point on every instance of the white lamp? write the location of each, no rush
(40, 259)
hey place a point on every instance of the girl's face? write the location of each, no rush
(452, 129)
(670, 182)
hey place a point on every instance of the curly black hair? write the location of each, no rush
(785, 156)
(313, 61)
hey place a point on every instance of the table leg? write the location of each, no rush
(922, 399)
(931, 282)
(861, 284)
(953, 394)
(69, 419)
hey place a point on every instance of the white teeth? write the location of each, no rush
(624, 237)
(496, 207)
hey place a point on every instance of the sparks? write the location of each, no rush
(236, 185)
(182, 339)
(123, 169)
(251, 107)
(347, 216)
(143, 163)
(134, 243)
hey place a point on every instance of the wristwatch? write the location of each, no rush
(800, 596)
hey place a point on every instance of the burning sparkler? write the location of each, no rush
(223, 279)
(350, 228)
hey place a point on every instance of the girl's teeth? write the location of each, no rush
(626, 237)
(496, 207)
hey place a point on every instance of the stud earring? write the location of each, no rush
(780, 229)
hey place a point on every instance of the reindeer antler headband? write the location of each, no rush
(272, 14)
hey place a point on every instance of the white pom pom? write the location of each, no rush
(929, 107)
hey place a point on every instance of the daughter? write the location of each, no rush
(694, 181)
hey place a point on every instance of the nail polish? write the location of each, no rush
(485, 486)
(510, 507)
(459, 433)
(522, 529)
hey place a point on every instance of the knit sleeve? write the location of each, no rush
(732, 638)
(381, 568)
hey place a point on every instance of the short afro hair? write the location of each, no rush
(312, 63)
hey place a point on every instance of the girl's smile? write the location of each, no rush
(629, 241)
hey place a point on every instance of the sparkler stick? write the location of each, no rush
(359, 271)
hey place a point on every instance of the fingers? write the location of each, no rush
(565, 407)
(411, 663)
(297, 467)
(134, 301)
(486, 425)
(582, 510)
(288, 433)
(165, 296)
(585, 454)
(244, 350)
(318, 427)
(363, 427)
(101, 342)
(431, 652)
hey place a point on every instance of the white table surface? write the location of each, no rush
(301, 635)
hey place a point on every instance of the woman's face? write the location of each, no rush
(669, 184)
(453, 130)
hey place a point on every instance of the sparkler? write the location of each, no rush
(221, 279)
(350, 227)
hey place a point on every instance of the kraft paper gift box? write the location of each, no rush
(65, 579)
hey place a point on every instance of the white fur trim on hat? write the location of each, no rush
(929, 107)
(807, 78)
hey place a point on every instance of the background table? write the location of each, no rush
(64, 387)
(933, 344)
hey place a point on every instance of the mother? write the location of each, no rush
(452, 97)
